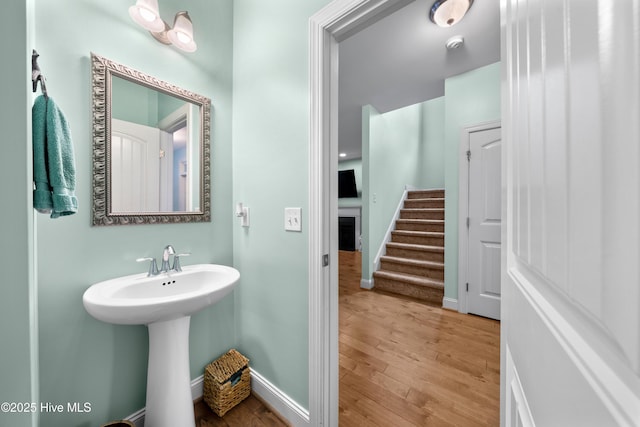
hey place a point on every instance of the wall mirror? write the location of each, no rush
(151, 150)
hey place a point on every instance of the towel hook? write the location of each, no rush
(36, 74)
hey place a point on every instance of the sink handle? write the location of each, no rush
(176, 261)
(153, 266)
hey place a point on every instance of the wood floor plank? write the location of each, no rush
(404, 362)
(251, 412)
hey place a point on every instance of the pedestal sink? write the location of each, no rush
(165, 304)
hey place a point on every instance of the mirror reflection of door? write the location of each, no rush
(148, 168)
(170, 163)
(135, 174)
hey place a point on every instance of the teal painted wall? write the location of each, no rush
(356, 165)
(403, 147)
(270, 164)
(471, 98)
(82, 359)
(433, 136)
(18, 321)
(135, 103)
(393, 161)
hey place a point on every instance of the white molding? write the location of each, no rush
(450, 303)
(339, 18)
(619, 398)
(463, 208)
(280, 402)
(366, 284)
(517, 407)
(197, 387)
(382, 249)
(137, 417)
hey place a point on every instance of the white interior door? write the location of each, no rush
(483, 276)
(135, 167)
(571, 208)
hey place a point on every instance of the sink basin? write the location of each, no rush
(141, 300)
(165, 304)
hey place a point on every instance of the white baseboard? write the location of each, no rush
(392, 224)
(450, 303)
(137, 418)
(366, 284)
(286, 407)
(197, 387)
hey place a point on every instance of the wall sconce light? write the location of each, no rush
(147, 15)
(446, 13)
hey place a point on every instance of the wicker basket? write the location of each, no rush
(227, 382)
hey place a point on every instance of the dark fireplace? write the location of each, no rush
(347, 233)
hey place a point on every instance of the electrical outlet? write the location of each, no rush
(293, 219)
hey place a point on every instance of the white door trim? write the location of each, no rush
(463, 208)
(327, 27)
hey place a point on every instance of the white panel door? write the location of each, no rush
(135, 167)
(485, 164)
(571, 213)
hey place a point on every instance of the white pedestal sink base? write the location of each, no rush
(169, 401)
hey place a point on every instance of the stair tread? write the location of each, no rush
(432, 191)
(419, 233)
(423, 209)
(425, 248)
(420, 221)
(421, 199)
(410, 278)
(402, 260)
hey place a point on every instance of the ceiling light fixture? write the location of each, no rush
(446, 13)
(147, 15)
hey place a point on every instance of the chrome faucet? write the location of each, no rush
(153, 267)
(165, 268)
(168, 250)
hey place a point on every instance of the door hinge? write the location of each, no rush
(467, 287)
(468, 155)
(468, 222)
(325, 260)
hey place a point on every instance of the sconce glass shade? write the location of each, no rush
(181, 35)
(446, 13)
(147, 15)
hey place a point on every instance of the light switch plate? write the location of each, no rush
(293, 219)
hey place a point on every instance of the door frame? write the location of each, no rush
(335, 22)
(463, 208)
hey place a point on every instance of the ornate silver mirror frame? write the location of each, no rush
(103, 71)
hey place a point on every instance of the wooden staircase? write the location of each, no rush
(414, 261)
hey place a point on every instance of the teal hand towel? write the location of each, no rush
(54, 172)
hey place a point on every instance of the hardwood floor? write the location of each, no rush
(406, 363)
(251, 412)
(402, 363)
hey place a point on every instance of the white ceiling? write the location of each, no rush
(401, 60)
